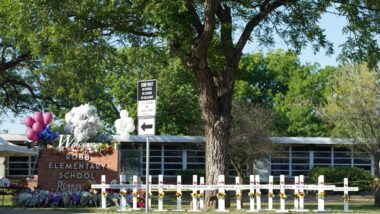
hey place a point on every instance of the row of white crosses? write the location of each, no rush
(254, 194)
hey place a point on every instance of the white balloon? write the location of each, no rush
(124, 114)
(68, 129)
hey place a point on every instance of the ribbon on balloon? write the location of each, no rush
(38, 128)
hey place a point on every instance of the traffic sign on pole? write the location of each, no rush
(146, 97)
(146, 126)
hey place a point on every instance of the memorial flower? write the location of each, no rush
(270, 194)
(282, 195)
(122, 193)
(221, 195)
(321, 195)
(134, 194)
(302, 194)
(161, 195)
(251, 195)
(346, 197)
(258, 194)
(104, 194)
(178, 194)
(296, 195)
(200, 195)
(238, 196)
(194, 195)
(76, 198)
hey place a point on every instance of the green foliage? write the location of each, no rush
(187, 175)
(357, 177)
(294, 91)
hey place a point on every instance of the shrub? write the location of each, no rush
(334, 175)
(187, 175)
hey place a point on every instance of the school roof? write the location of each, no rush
(17, 138)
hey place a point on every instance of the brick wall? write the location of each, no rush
(69, 171)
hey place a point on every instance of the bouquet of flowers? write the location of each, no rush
(238, 196)
(178, 194)
(221, 195)
(282, 195)
(251, 195)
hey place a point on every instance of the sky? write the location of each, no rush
(333, 25)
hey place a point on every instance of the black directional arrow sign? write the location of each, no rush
(146, 126)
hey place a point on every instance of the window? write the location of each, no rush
(280, 163)
(322, 156)
(342, 157)
(21, 166)
(300, 160)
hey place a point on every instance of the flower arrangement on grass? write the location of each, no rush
(238, 196)
(251, 195)
(346, 197)
(161, 195)
(321, 195)
(270, 195)
(194, 195)
(178, 194)
(282, 195)
(302, 194)
(221, 195)
(201, 195)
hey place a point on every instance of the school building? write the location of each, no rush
(169, 154)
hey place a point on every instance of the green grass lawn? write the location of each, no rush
(358, 204)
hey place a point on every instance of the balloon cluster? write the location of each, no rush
(38, 128)
(83, 122)
(124, 125)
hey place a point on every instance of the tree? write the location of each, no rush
(352, 106)
(250, 134)
(292, 90)
(200, 33)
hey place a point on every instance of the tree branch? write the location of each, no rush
(264, 11)
(13, 63)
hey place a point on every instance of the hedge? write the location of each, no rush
(334, 175)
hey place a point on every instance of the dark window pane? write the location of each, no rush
(320, 160)
(280, 160)
(18, 165)
(342, 161)
(195, 166)
(298, 160)
(196, 159)
(18, 159)
(172, 159)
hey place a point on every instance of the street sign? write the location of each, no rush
(146, 97)
(146, 126)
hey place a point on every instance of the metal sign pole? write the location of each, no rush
(147, 175)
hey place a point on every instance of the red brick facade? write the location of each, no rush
(70, 171)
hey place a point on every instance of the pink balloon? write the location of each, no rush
(48, 117)
(31, 135)
(39, 118)
(29, 121)
(37, 127)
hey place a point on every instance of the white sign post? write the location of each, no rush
(302, 195)
(201, 193)
(149, 193)
(146, 112)
(178, 194)
(161, 194)
(258, 192)
(345, 189)
(282, 195)
(103, 192)
(123, 192)
(321, 193)
(134, 193)
(221, 195)
(296, 194)
(194, 195)
(270, 193)
(251, 194)
(238, 193)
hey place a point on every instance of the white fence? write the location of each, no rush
(254, 187)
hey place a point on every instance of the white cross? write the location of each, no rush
(345, 189)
